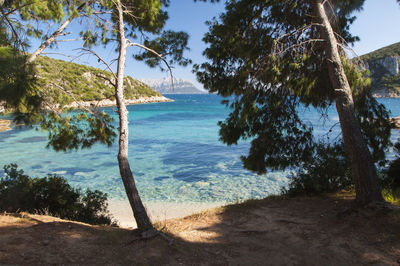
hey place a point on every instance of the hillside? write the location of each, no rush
(82, 83)
(273, 231)
(180, 86)
(390, 50)
(384, 65)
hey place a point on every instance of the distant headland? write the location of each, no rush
(384, 66)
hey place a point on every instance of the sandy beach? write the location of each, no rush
(158, 211)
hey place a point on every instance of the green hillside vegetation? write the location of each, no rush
(381, 78)
(391, 50)
(82, 83)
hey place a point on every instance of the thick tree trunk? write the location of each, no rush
(53, 37)
(363, 168)
(143, 222)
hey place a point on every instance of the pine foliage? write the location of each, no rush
(269, 59)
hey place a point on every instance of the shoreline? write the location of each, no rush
(108, 102)
(384, 94)
(5, 125)
(157, 211)
(395, 121)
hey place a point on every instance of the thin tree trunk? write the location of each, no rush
(363, 168)
(53, 37)
(143, 222)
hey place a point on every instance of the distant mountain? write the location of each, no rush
(180, 86)
(384, 65)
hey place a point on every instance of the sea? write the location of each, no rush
(174, 151)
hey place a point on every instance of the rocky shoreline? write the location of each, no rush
(385, 94)
(108, 102)
(396, 122)
(5, 125)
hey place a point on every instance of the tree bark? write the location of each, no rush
(53, 37)
(363, 168)
(143, 222)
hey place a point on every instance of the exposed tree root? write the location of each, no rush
(150, 234)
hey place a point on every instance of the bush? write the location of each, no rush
(391, 178)
(327, 170)
(52, 194)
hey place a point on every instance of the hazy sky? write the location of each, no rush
(377, 25)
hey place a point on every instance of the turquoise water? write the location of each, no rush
(174, 152)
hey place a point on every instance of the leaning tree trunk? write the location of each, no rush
(363, 168)
(143, 222)
(53, 37)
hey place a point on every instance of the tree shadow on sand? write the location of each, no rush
(273, 231)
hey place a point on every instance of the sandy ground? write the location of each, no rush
(276, 231)
(157, 211)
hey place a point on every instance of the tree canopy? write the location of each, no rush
(24, 20)
(269, 55)
(139, 24)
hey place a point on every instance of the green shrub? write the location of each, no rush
(327, 170)
(390, 50)
(51, 194)
(391, 177)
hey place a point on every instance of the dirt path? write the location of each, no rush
(296, 231)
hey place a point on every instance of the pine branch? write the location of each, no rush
(156, 54)
(99, 59)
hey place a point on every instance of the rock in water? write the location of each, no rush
(5, 125)
(396, 121)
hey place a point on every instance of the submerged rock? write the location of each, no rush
(5, 125)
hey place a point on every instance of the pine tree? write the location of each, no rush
(144, 16)
(274, 56)
(123, 22)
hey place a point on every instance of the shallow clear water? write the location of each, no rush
(174, 152)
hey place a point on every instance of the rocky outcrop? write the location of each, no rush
(387, 66)
(384, 67)
(395, 121)
(385, 93)
(5, 125)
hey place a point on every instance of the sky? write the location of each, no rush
(377, 25)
